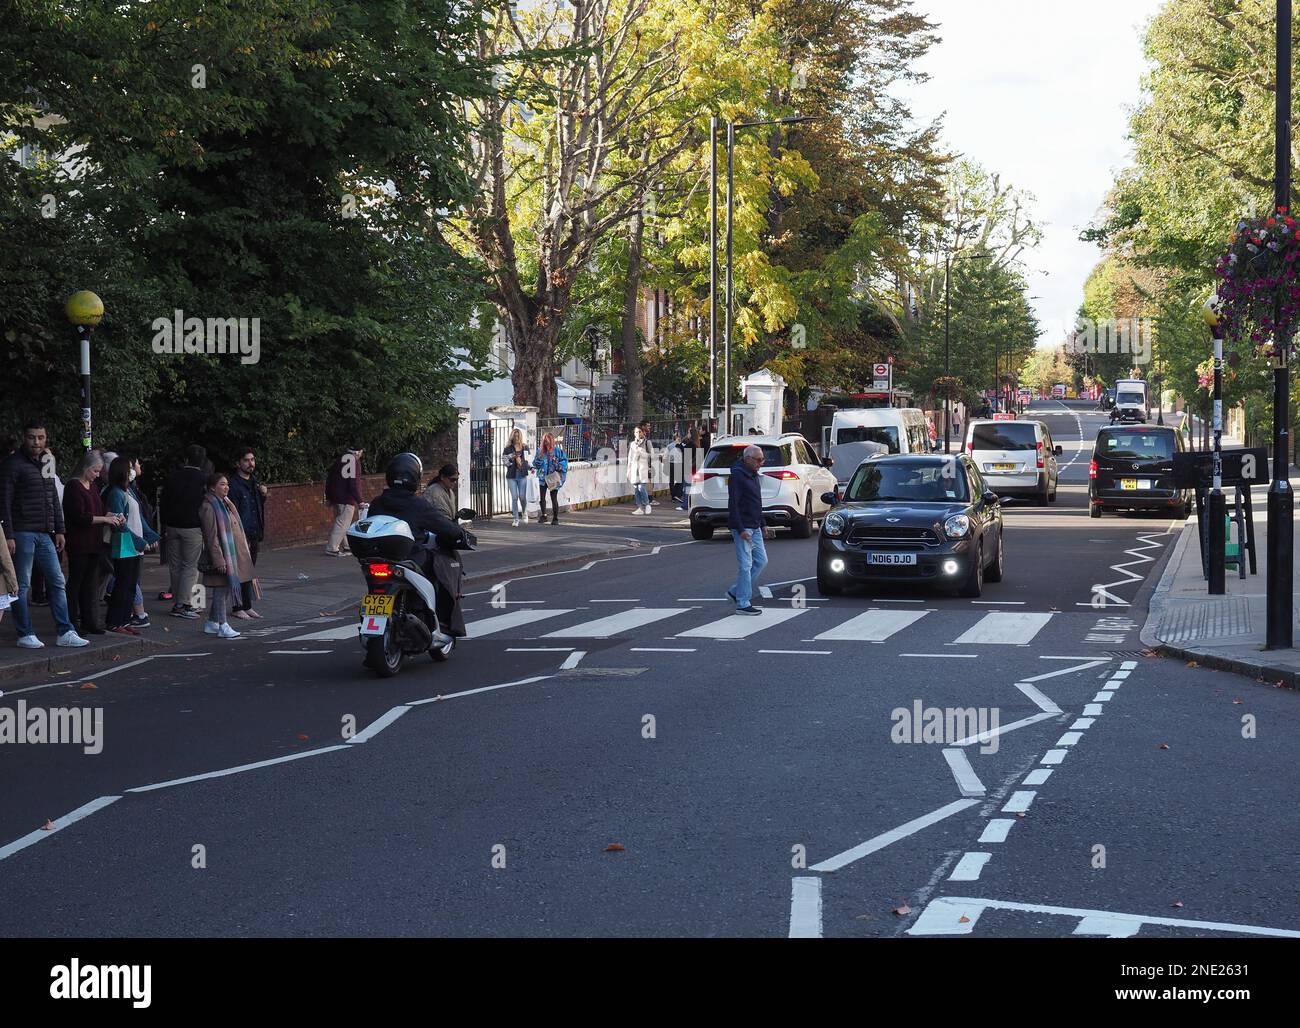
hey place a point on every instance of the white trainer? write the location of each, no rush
(228, 633)
(71, 639)
(30, 642)
(211, 628)
(515, 523)
(638, 511)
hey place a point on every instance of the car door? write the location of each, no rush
(1053, 467)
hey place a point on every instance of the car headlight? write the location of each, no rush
(957, 527)
(833, 525)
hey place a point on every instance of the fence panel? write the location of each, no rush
(489, 494)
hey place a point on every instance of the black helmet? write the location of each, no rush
(405, 471)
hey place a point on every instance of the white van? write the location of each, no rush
(854, 435)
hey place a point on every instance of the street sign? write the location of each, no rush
(882, 375)
(1004, 416)
(1245, 467)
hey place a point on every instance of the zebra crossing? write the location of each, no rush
(814, 624)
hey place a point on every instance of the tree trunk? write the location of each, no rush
(534, 371)
(633, 377)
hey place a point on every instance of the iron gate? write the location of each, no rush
(489, 494)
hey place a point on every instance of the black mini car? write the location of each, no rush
(925, 519)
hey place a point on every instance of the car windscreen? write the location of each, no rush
(1131, 398)
(908, 482)
(1005, 435)
(886, 435)
(1136, 445)
(722, 457)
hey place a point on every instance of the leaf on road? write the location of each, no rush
(89, 685)
(1163, 746)
(1178, 903)
(615, 847)
(963, 919)
(48, 826)
(902, 910)
(1238, 701)
(1021, 814)
(1192, 663)
(303, 738)
(1150, 653)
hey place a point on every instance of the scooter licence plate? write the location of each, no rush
(376, 603)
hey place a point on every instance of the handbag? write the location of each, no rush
(553, 481)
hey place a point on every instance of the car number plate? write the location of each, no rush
(1135, 483)
(1003, 467)
(374, 603)
(891, 558)
(373, 624)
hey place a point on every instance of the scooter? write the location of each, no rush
(398, 615)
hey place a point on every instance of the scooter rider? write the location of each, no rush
(404, 475)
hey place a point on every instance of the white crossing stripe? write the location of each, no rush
(514, 619)
(741, 626)
(873, 626)
(1037, 776)
(616, 624)
(996, 830)
(1005, 629)
(348, 631)
(1019, 802)
(969, 867)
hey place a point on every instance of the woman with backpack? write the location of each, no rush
(552, 467)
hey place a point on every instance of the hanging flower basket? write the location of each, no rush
(1258, 267)
(948, 387)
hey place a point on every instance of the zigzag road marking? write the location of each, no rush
(1103, 589)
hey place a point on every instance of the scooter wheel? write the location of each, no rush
(384, 654)
(441, 653)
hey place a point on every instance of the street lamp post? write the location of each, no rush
(85, 310)
(1281, 501)
(1216, 510)
(732, 126)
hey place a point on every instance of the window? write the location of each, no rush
(1145, 445)
(808, 456)
(722, 457)
(909, 482)
(1005, 435)
(886, 435)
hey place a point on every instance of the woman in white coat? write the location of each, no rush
(640, 459)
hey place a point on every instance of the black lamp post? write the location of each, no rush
(1281, 501)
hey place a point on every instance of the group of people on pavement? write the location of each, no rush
(551, 468)
(103, 524)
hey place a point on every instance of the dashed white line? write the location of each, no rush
(1053, 756)
(1037, 776)
(806, 908)
(572, 660)
(1019, 802)
(969, 867)
(997, 829)
(1069, 739)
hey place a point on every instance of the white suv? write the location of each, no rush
(1016, 457)
(793, 480)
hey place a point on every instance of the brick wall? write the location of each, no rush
(297, 515)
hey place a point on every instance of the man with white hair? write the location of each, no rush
(745, 519)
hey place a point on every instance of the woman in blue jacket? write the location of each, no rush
(552, 466)
(129, 542)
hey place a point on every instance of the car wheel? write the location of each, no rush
(1094, 510)
(827, 586)
(699, 530)
(994, 573)
(801, 528)
(1044, 494)
(974, 584)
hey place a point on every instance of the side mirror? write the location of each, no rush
(466, 514)
(828, 462)
(830, 498)
(989, 497)
(1059, 451)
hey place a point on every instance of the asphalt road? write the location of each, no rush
(747, 768)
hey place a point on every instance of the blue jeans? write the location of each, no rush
(38, 548)
(751, 559)
(518, 496)
(641, 494)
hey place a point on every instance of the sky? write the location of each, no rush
(1039, 91)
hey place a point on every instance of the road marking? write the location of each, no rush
(1093, 709)
(968, 783)
(998, 603)
(238, 769)
(1121, 674)
(873, 626)
(1068, 670)
(296, 652)
(1112, 685)
(349, 631)
(997, 829)
(1069, 739)
(662, 649)
(704, 599)
(1037, 776)
(810, 653)
(896, 601)
(741, 626)
(1041, 701)
(948, 656)
(615, 624)
(572, 660)
(985, 737)
(1128, 665)
(793, 581)
(613, 601)
(765, 592)
(475, 692)
(514, 619)
(85, 810)
(1102, 697)
(1019, 802)
(1080, 723)
(806, 908)
(958, 915)
(879, 842)
(969, 867)
(1103, 660)
(379, 724)
(1002, 629)
(1053, 756)
(539, 649)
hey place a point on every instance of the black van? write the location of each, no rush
(1133, 469)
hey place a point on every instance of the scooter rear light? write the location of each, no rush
(379, 570)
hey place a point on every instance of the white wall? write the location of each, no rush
(591, 480)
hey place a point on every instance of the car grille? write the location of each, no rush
(863, 569)
(890, 535)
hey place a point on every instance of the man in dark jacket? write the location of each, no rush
(343, 491)
(249, 497)
(32, 518)
(181, 499)
(745, 519)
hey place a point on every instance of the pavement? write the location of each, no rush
(1224, 632)
(298, 581)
